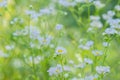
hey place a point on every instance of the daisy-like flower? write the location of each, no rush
(117, 7)
(88, 61)
(102, 69)
(9, 47)
(98, 4)
(3, 3)
(105, 44)
(110, 31)
(45, 40)
(2, 54)
(86, 46)
(55, 70)
(97, 53)
(91, 77)
(59, 27)
(60, 50)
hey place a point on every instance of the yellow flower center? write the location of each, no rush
(57, 70)
(44, 40)
(60, 51)
(94, 79)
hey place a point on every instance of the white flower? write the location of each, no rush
(60, 50)
(88, 61)
(2, 54)
(86, 46)
(102, 69)
(97, 53)
(105, 44)
(110, 31)
(36, 59)
(45, 40)
(3, 3)
(109, 15)
(117, 7)
(98, 4)
(55, 70)
(59, 27)
(17, 63)
(9, 47)
(91, 77)
(66, 3)
(81, 65)
(94, 18)
(96, 24)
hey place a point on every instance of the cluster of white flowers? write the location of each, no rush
(97, 53)
(16, 20)
(2, 54)
(113, 23)
(102, 69)
(109, 15)
(90, 77)
(86, 46)
(95, 22)
(83, 1)
(88, 61)
(35, 59)
(3, 3)
(58, 69)
(9, 47)
(117, 7)
(98, 4)
(44, 11)
(66, 3)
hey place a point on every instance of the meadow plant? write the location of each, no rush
(59, 39)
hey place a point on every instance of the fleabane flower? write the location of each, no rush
(110, 31)
(3, 3)
(88, 61)
(55, 70)
(98, 4)
(59, 27)
(97, 53)
(102, 69)
(91, 77)
(45, 40)
(60, 50)
(117, 7)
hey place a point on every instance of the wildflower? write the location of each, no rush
(59, 27)
(2, 54)
(45, 40)
(91, 77)
(98, 4)
(35, 60)
(81, 65)
(105, 44)
(86, 46)
(55, 70)
(3, 3)
(66, 3)
(95, 22)
(110, 31)
(9, 47)
(97, 53)
(102, 69)
(60, 50)
(117, 7)
(109, 15)
(88, 61)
